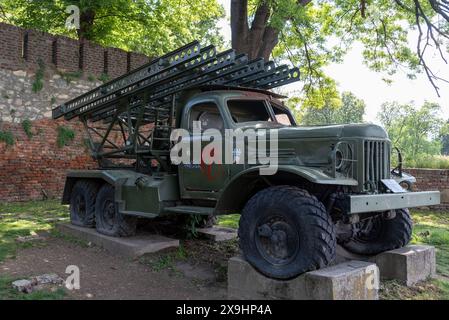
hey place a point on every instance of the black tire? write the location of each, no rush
(284, 231)
(380, 234)
(82, 203)
(109, 221)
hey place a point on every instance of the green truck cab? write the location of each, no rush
(332, 184)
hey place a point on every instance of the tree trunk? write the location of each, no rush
(259, 40)
(87, 19)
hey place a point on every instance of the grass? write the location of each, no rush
(7, 137)
(428, 162)
(38, 82)
(229, 221)
(24, 219)
(26, 125)
(432, 228)
(434, 289)
(65, 136)
(165, 260)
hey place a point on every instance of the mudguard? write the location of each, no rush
(235, 193)
(135, 193)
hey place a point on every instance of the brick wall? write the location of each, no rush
(11, 39)
(92, 58)
(39, 47)
(66, 54)
(33, 169)
(136, 60)
(22, 49)
(432, 180)
(117, 62)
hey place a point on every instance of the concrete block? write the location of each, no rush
(444, 195)
(129, 247)
(409, 265)
(351, 280)
(218, 234)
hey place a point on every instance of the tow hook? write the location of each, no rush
(388, 215)
(351, 219)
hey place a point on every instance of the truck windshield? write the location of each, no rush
(258, 111)
(248, 110)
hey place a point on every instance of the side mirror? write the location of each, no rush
(397, 171)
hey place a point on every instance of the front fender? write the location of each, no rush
(242, 186)
(317, 176)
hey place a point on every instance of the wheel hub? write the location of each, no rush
(109, 213)
(277, 240)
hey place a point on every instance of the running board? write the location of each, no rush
(189, 210)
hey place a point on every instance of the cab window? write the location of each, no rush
(248, 110)
(282, 116)
(205, 116)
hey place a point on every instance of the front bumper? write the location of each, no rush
(390, 201)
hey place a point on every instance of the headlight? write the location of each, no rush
(339, 158)
(343, 157)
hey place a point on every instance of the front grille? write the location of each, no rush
(377, 163)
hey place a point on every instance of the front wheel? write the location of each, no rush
(109, 220)
(380, 233)
(284, 231)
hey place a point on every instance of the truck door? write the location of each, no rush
(202, 177)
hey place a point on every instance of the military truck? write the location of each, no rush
(333, 185)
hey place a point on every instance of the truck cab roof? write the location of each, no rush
(244, 90)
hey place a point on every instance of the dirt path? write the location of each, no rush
(104, 276)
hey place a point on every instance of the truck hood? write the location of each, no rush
(334, 131)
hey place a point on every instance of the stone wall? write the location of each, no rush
(18, 101)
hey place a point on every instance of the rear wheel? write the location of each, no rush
(109, 220)
(284, 231)
(380, 233)
(82, 203)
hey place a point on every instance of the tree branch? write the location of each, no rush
(424, 41)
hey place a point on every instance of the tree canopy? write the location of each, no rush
(415, 131)
(346, 108)
(152, 27)
(312, 34)
(444, 135)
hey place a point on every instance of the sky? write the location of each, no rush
(352, 75)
